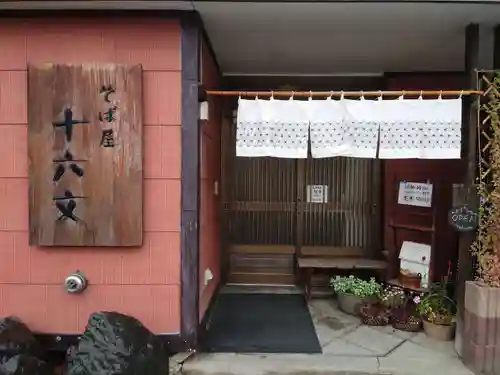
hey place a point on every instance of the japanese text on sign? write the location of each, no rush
(415, 194)
(317, 193)
(107, 118)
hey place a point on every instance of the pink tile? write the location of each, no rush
(49, 264)
(15, 260)
(137, 302)
(28, 302)
(14, 203)
(71, 43)
(135, 265)
(162, 205)
(157, 262)
(166, 308)
(13, 46)
(98, 298)
(162, 154)
(112, 265)
(52, 310)
(162, 94)
(155, 45)
(165, 258)
(31, 277)
(62, 311)
(13, 151)
(13, 97)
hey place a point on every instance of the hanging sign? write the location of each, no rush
(85, 155)
(415, 194)
(463, 219)
(317, 193)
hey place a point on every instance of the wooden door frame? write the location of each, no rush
(300, 170)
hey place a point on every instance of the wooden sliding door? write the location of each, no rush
(273, 208)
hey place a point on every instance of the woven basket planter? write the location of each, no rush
(406, 319)
(374, 315)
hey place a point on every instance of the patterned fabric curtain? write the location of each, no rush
(397, 129)
(344, 128)
(276, 128)
(421, 129)
(327, 128)
(362, 119)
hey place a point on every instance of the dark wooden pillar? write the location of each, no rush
(190, 178)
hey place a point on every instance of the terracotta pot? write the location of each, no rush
(439, 332)
(349, 303)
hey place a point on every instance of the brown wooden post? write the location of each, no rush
(479, 55)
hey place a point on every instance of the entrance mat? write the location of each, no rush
(261, 323)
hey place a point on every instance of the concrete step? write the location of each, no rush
(316, 364)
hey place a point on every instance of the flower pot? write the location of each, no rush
(438, 331)
(374, 314)
(404, 318)
(349, 303)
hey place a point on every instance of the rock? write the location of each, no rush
(24, 364)
(19, 351)
(17, 338)
(117, 344)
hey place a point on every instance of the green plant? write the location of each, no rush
(436, 308)
(486, 248)
(356, 286)
(393, 297)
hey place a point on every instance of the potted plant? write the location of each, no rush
(352, 291)
(378, 313)
(437, 311)
(374, 314)
(393, 297)
(405, 317)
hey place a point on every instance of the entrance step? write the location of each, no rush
(316, 364)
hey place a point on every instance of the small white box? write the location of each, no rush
(416, 258)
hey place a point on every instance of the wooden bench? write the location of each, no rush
(315, 258)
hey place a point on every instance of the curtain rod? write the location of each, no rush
(345, 93)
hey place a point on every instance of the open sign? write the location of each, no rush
(463, 219)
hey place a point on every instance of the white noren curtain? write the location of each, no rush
(421, 129)
(344, 128)
(276, 128)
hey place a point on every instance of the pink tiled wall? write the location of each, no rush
(210, 175)
(143, 282)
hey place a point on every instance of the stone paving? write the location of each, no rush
(342, 334)
(349, 348)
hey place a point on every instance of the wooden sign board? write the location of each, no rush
(85, 155)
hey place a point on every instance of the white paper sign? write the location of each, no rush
(317, 193)
(415, 194)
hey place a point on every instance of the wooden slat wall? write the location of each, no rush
(98, 202)
(346, 220)
(269, 220)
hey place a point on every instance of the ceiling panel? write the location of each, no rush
(325, 38)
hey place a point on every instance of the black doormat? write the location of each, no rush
(261, 323)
